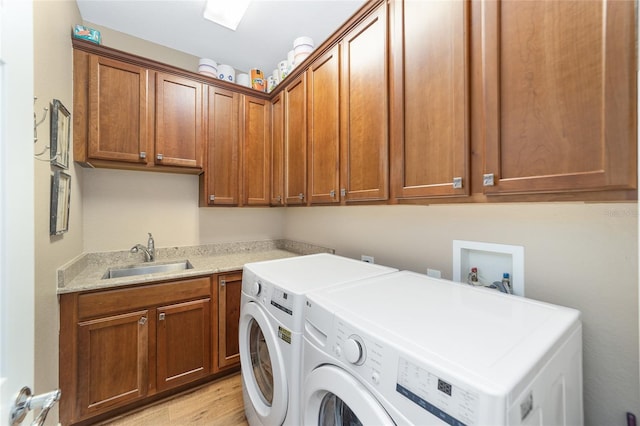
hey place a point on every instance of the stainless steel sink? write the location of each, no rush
(128, 271)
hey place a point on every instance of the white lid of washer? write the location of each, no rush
(311, 272)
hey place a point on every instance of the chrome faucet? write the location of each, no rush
(149, 251)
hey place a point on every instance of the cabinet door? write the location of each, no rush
(256, 152)
(117, 111)
(179, 130)
(277, 151)
(227, 352)
(112, 361)
(295, 141)
(323, 103)
(183, 343)
(364, 110)
(221, 172)
(430, 144)
(559, 96)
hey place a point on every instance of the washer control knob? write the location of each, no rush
(256, 288)
(353, 351)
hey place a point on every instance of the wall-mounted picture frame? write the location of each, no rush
(60, 134)
(60, 199)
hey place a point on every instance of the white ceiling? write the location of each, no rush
(263, 38)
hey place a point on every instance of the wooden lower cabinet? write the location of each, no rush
(121, 348)
(183, 343)
(112, 361)
(229, 291)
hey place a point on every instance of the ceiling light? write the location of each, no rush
(227, 13)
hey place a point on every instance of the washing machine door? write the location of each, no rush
(333, 397)
(262, 365)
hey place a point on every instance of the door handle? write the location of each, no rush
(26, 402)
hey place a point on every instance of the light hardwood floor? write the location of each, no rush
(216, 404)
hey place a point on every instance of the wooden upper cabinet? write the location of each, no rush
(323, 105)
(256, 151)
(117, 110)
(277, 151)
(559, 96)
(429, 102)
(179, 121)
(295, 141)
(221, 173)
(364, 110)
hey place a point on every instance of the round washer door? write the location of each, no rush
(334, 397)
(262, 365)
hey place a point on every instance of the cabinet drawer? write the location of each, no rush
(113, 301)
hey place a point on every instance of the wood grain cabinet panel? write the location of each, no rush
(183, 343)
(221, 176)
(120, 347)
(179, 130)
(430, 111)
(256, 151)
(559, 96)
(364, 110)
(112, 361)
(295, 141)
(229, 292)
(117, 111)
(323, 104)
(277, 151)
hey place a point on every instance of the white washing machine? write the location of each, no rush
(405, 349)
(271, 324)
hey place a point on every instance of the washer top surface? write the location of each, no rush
(477, 330)
(307, 273)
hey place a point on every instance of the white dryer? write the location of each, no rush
(271, 324)
(405, 349)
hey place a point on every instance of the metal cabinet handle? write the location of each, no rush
(161, 316)
(332, 193)
(223, 283)
(159, 157)
(143, 155)
(212, 197)
(343, 192)
(301, 196)
(488, 180)
(142, 321)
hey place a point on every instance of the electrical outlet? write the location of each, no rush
(368, 259)
(434, 273)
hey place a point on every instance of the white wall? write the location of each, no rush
(579, 255)
(52, 24)
(121, 206)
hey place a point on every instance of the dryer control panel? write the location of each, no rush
(450, 403)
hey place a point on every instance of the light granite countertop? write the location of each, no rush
(85, 272)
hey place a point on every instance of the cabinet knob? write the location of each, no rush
(343, 192)
(212, 197)
(159, 157)
(223, 283)
(301, 196)
(161, 317)
(143, 155)
(142, 321)
(333, 193)
(457, 183)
